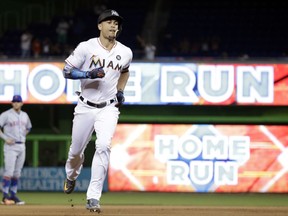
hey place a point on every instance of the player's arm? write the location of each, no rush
(70, 72)
(3, 119)
(2, 135)
(124, 76)
(28, 125)
(5, 138)
(28, 130)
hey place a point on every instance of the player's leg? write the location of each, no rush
(104, 127)
(82, 130)
(9, 163)
(17, 173)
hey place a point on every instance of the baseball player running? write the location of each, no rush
(102, 65)
(15, 124)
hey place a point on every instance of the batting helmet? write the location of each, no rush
(111, 14)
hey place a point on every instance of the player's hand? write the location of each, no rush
(9, 141)
(96, 73)
(120, 98)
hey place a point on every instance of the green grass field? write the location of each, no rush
(149, 198)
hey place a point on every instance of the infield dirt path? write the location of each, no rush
(59, 210)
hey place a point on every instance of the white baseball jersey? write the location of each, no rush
(87, 56)
(91, 54)
(15, 125)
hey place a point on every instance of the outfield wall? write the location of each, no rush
(203, 158)
(51, 179)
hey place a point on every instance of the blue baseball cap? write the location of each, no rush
(17, 98)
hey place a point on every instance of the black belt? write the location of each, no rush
(19, 142)
(100, 105)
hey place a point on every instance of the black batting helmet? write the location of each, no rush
(110, 14)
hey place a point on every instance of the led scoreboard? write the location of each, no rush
(156, 83)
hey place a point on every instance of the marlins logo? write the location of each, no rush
(94, 60)
(113, 12)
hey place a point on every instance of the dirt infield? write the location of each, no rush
(60, 210)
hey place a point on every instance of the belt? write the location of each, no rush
(19, 142)
(99, 105)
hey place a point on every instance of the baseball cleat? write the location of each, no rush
(93, 205)
(69, 186)
(7, 201)
(17, 200)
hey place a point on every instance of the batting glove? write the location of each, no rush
(95, 73)
(120, 98)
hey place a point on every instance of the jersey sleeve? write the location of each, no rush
(77, 57)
